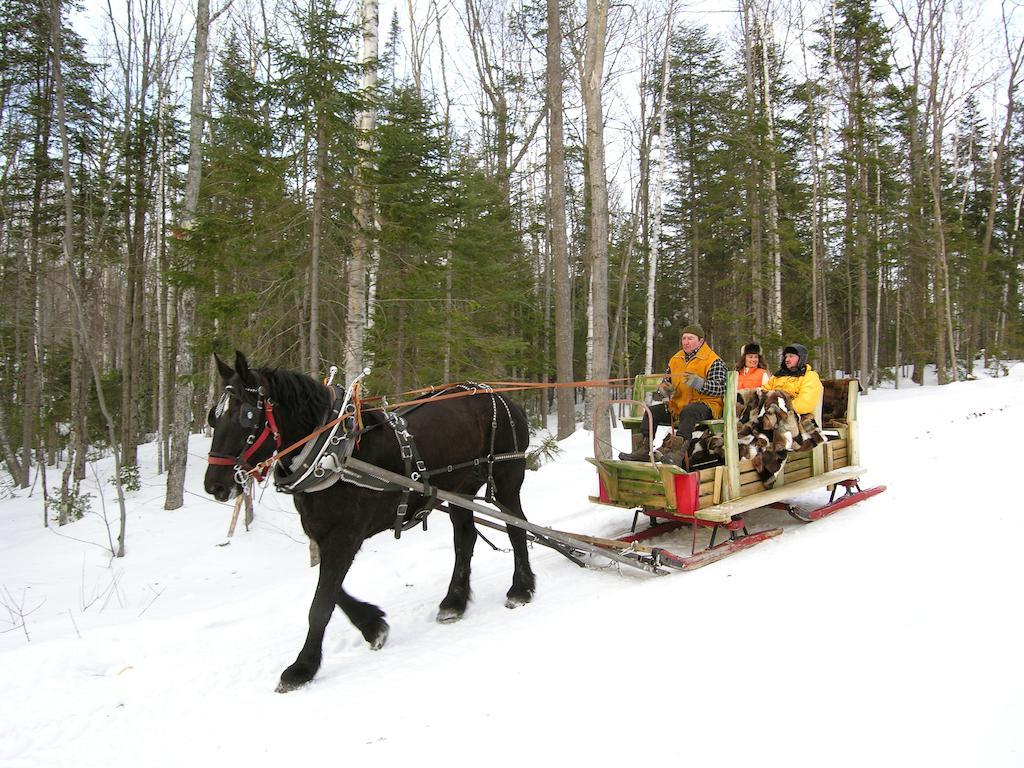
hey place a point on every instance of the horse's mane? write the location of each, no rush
(302, 396)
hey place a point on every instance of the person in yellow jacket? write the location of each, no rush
(797, 378)
(697, 379)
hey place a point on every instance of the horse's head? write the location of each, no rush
(243, 423)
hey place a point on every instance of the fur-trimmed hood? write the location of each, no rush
(801, 364)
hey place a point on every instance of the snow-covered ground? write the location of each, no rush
(888, 634)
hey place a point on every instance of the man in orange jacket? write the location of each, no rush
(697, 377)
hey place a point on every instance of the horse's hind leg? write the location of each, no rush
(336, 555)
(508, 481)
(367, 618)
(454, 603)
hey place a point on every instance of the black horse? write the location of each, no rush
(261, 401)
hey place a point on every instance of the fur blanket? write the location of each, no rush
(768, 429)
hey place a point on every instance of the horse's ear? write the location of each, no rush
(242, 366)
(225, 370)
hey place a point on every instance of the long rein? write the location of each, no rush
(260, 469)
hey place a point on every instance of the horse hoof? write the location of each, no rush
(283, 687)
(517, 601)
(382, 637)
(296, 676)
(448, 615)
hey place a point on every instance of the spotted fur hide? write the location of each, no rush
(768, 429)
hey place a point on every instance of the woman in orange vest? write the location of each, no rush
(697, 377)
(753, 373)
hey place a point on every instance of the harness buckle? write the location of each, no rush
(421, 466)
(406, 451)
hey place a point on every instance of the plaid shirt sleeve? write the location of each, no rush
(714, 382)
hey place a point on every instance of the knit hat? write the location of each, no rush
(695, 329)
(797, 349)
(753, 348)
(801, 365)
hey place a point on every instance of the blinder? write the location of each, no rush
(248, 412)
(247, 416)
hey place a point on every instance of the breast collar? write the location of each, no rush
(310, 469)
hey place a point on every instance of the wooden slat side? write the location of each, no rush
(637, 470)
(622, 504)
(727, 509)
(640, 500)
(647, 484)
(797, 461)
(746, 477)
(751, 487)
(798, 474)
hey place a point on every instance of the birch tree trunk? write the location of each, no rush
(753, 186)
(355, 319)
(316, 241)
(652, 267)
(593, 79)
(936, 110)
(181, 421)
(564, 397)
(774, 246)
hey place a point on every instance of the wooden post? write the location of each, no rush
(818, 452)
(731, 448)
(852, 442)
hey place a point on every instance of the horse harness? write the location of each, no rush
(416, 469)
(322, 461)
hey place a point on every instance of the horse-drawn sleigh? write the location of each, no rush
(720, 497)
(357, 471)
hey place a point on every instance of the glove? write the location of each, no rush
(695, 382)
(665, 389)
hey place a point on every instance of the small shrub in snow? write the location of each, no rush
(543, 453)
(130, 479)
(75, 507)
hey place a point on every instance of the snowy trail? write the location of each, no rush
(888, 633)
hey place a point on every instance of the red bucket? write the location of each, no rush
(687, 492)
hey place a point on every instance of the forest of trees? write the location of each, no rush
(488, 189)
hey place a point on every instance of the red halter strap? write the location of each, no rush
(269, 428)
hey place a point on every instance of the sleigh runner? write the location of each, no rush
(720, 497)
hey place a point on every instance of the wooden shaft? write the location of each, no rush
(465, 503)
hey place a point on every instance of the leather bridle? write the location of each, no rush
(257, 437)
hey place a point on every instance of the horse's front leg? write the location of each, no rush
(336, 554)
